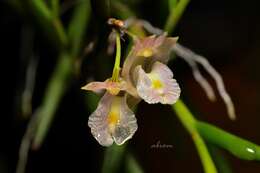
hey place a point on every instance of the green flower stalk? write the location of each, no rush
(116, 70)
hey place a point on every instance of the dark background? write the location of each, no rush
(226, 32)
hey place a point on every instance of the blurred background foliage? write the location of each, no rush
(46, 59)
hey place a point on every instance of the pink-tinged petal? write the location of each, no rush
(171, 87)
(165, 49)
(147, 46)
(126, 126)
(162, 70)
(146, 52)
(95, 86)
(158, 86)
(144, 87)
(142, 49)
(112, 87)
(98, 121)
(112, 121)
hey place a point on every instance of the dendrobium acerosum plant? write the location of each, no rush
(144, 76)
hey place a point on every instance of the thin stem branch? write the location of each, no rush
(175, 15)
(55, 90)
(189, 122)
(62, 75)
(186, 53)
(51, 25)
(55, 5)
(199, 78)
(78, 26)
(26, 143)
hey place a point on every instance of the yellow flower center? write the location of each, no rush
(114, 87)
(157, 84)
(114, 114)
(113, 118)
(113, 91)
(147, 52)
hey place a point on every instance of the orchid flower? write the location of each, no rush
(144, 76)
(145, 52)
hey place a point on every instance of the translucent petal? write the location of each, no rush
(112, 121)
(147, 46)
(146, 52)
(158, 86)
(171, 89)
(165, 49)
(127, 125)
(98, 121)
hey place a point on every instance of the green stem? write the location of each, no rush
(59, 81)
(132, 165)
(116, 70)
(113, 158)
(55, 7)
(239, 147)
(55, 90)
(172, 4)
(220, 160)
(78, 27)
(175, 15)
(51, 25)
(121, 10)
(189, 122)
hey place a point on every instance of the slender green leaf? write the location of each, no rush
(78, 25)
(175, 15)
(172, 4)
(63, 72)
(55, 90)
(50, 24)
(189, 122)
(239, 147)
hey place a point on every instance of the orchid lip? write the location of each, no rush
(158, 86)
(112, 121)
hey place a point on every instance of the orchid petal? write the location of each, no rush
(126, 126)
(95, 86)
(112, 121)
(112, 87)
(146, 51)
(158, 86)
(98, 121)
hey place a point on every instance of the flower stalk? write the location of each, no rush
(116, 70)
